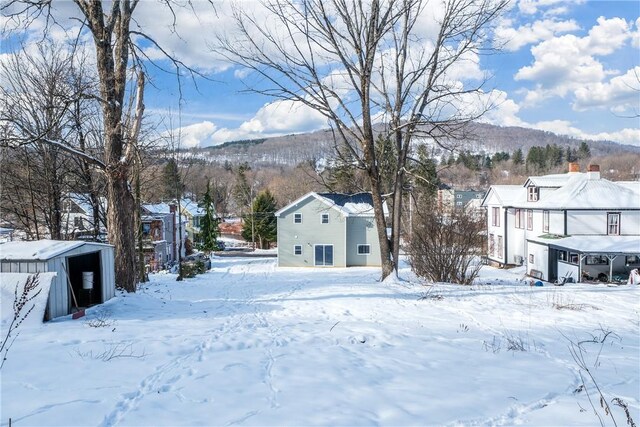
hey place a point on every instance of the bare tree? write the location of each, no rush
(371, 67)
(114, 37)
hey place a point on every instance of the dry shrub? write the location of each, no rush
(446, 246)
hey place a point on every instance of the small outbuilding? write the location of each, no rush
(84, 270)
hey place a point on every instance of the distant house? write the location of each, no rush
(328, 230)
(449, 198)
(160, 234)
(576, 225)
(78, 217)
(193, 214)
(85, 272)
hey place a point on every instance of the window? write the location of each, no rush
(529, 219)
(533, 193)
(596, 260)
(297, 218)
(573, 258)
(495, 217)
(77, 222)
(364, 249)
(500, 246)
(492, 244)
(297, 250)
(613, 224)
(562, 256)
(458, 203)
(325, 218)
(545, 221)
(632, 260)
(478, 196)
(324, 255)
(519, 218)
(458, 196)
(531, 258)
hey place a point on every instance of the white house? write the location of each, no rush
(328, 230)
(78, 216)
(576, 225)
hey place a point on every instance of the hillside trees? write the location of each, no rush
(368, 66)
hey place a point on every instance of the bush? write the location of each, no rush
(191, 268)
(446, 246)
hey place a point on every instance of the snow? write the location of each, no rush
(36, 249)
(358, 208)
(595, 244)
(252, 344)
(12, 283)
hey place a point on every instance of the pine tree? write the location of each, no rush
(209, 223)
(518, 157)
(584, 152)
(172, 182)
(426, 181)
(261, 224)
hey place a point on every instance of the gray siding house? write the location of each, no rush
(328, 230)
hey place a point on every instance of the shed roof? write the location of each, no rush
(594, 244)
(40, 250)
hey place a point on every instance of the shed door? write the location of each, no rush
(324, 255)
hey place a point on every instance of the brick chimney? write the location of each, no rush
(593, 172)
(574, 167)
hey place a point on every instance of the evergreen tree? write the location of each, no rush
(426, 181)
(584, 152)
(261, 224)
(518, 157)
(571, 155)
(242, 190)
(209, 223)
(172, 181)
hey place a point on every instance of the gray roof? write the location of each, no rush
(342, 199)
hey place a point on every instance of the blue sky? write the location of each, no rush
(570, 67)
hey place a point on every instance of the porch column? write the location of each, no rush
(611, 258)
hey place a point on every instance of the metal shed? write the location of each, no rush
(72, 261)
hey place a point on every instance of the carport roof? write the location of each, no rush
(612, 245)
(40, 250)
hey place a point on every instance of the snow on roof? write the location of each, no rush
(507, 194)
(38, 249)
(553, 180)
(358, 204)
(583, 192)
(83, 200)
(192, 207)
(594, 244)
(157, 208)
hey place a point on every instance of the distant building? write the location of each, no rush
(193, 214)
(160, 234)
(450, 198)
(78, 217)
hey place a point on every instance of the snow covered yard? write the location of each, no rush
(251, 344)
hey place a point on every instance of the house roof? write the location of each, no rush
(594, 244)
(579, 191)
(553, 180)
(191, 207)
(157, 208)
(358, 204)
(83, 201)
(41, 250)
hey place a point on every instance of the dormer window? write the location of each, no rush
(325, 218)
(533, 194)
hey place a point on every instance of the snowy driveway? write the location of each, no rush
(251, 344)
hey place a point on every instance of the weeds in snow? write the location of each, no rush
(560, 301)
(112, 351)
(102, 319)
(463, 328)
(21, 311)
(585, 370)
(512, 341)
(431, 294)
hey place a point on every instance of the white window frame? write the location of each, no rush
(613, 225)
(295, 217)
(294, 250)
(495, 216)
(500, 247)
(533, 194)
(333, 252)
(531, 259)
(322, 217)
(545, 221)
(363, 246)
(519, 214)
(529, 219)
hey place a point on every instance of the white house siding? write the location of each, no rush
(309, 233)
(540, 262)
(495, 232)
(556, 222)
(595, 222)
(362, 231)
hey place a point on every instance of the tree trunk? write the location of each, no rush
(121, 228)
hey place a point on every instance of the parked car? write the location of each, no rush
(199, 256)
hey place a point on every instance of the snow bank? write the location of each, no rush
(14, 283)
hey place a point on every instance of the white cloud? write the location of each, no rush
(530, 7)
(566, 64)
(564, 127)
(195, 135)
(621, 92)
(514, 38)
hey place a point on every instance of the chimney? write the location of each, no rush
(574, 167)
(593, 172)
